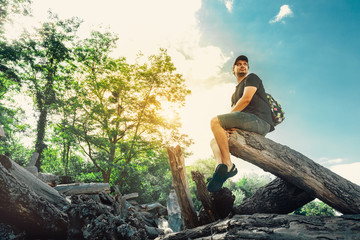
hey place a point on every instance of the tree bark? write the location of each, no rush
(204, 196)
(41, 126)
(278, 197)
(297, 169)
(21, 206)
(181, 185)
(33, 183)
(272, 226)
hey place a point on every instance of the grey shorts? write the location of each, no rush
(244, 121)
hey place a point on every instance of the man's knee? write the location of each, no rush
(215, 122)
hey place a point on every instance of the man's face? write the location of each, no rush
(241, 68)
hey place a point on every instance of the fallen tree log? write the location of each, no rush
(278, 196)
(36, 185)
(130, 196)
(297, 169)
(272, 226)
(160, 209)
(82, 188)
(22, 207)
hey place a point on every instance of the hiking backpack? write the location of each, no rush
(278, 114)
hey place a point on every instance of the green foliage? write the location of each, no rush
(11, 120)
(150, 177)
(77, 169)
(9, 56)
(204, 166)
(315, 208)
(12, 147)
(241, 189)
(9, 60)
(89, 177)
(9, 53)
(104, 122)
(250, 184)
(46, 66)
(118, 116)
(8, 7)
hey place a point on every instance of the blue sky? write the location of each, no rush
(309, 60)
(306, 52)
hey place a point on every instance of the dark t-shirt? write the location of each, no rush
(258, 105)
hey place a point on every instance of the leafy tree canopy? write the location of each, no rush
(8, 7)
(119, 105)
(46, 66)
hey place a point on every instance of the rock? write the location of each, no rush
(175, 221)
(153, 232)
(163, 224)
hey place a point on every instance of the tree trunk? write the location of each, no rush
(30, 207)
(298, 170)
(181, 185)
(106, 175)
(40, 145)
(204, 196)
(272, 226)
(276, 197)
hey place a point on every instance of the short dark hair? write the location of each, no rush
(241, 57)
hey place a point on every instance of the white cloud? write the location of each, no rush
(229, 5)
(348, 171)
(285, 11)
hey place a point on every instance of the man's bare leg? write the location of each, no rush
(216, 151)
(222, 142)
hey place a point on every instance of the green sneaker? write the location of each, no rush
(220, 176)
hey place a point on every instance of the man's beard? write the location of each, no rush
(240, 74)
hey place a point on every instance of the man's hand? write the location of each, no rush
(230, 131)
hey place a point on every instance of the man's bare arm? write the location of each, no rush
(245, 99)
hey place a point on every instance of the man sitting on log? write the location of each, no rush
(249, 111)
